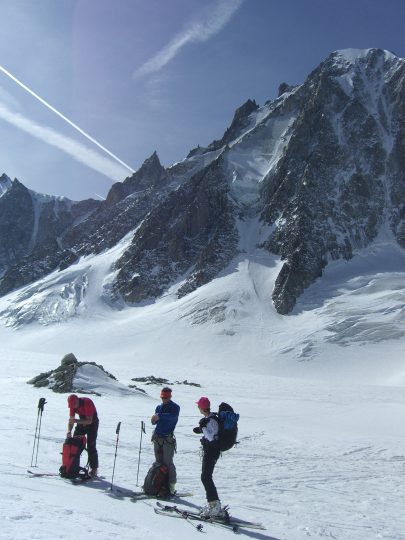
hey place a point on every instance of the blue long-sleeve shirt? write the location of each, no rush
(168, 416)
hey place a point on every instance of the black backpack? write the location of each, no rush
(227, 427)
(71, 452)
(157, 481)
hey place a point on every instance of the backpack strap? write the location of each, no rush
(215, 416)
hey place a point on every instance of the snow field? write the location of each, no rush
(315, 460)
(320, 394)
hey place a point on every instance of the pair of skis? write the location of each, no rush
(137, 495)
(78, 480)
(227, 521)
(133, 495)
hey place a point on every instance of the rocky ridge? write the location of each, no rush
(61, 379)
(321, 166)
(341, 176)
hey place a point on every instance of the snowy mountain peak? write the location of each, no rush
(5, 184)
(146, 177)
(4, 178)
(348, 58)
(152, 162)
(351, 55)
(152, 168)
(311, 177)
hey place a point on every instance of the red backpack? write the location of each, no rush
(71, 452)
(157, 481)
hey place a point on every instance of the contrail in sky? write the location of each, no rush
(65, 119)
(197, 32)
(92, 158)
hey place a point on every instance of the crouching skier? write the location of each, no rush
(209, 427)
(86, 424)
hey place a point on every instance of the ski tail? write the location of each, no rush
(39, 473)
(226, 520)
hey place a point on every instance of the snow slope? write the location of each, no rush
(320, 394)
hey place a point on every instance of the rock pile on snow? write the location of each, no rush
(151, 379)
(80, 377)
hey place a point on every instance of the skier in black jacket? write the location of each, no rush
(208, 426)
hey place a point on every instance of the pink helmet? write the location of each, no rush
(203, 403)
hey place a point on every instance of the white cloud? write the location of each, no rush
(8, 99)
(211, 23)
(76, 150)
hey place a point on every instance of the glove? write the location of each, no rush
(68, 434)
(203, 422)
(197, 429)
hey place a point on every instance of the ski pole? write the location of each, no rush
(35, 438)
(117, 431)
(41, 404)
(140, 448)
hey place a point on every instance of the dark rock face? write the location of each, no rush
(192, 232)
(32, 227)
(16, 225)
(60, 380)
(125, 206)
(68, 359)
(338, 179)
(239, 123)
(146, 178)
(159, 381)
(394, 93)
(66, 233)
(284, 87)
(323, 165)
(195, 237)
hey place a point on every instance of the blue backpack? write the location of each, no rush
(227, 426)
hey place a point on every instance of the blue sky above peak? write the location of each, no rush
(138, 76)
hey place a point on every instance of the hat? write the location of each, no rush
(203, 403)
(72, 400)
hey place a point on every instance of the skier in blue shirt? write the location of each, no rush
(164, 441)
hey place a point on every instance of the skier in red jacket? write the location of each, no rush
(86, 424)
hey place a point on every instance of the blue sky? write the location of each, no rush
(143, 75)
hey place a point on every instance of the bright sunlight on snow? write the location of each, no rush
(320, 394)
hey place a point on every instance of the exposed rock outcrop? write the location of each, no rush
(322, 166)
(341, 176)
(62, 379)
(192, 234)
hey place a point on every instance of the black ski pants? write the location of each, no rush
(91, 432)
(211, 454)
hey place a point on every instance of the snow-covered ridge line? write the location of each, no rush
(354, 55)
(320, 168)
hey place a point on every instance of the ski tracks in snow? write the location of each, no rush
(360, 485)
